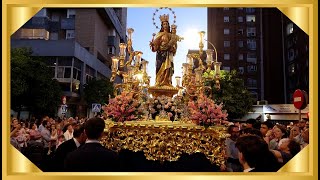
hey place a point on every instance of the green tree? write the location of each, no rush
(32, 85)
(98, 91)
(232, 93)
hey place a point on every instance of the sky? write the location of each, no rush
(189, 22)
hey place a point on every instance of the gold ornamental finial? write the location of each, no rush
(164, 18)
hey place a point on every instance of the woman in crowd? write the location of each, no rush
(286, 150)
(35, 135)
(294, 132)
(279, 132)
(53, 138)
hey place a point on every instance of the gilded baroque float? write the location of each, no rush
(164, 121)
(166, 141)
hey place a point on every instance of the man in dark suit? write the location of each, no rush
(92, 156)
(255, 156)
(79, 137)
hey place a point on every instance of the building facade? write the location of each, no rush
(265, 46)
(77, 44)
(286, 55)
(236, 33)
(296, 58)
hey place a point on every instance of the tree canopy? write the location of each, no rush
(98, 91)
(236, 99)
(32, 85)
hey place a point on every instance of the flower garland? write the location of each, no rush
(124, 108)
(205, 112)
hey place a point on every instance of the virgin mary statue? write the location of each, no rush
(165, 51)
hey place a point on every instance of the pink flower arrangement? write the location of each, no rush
(205, 112)
(123, 108)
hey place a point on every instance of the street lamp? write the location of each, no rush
(76, 83)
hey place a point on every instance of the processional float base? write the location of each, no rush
(163, 90)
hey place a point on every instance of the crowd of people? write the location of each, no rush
(264, 147)
(73, 144)
(39, 140)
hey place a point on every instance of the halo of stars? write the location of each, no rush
(157, 10)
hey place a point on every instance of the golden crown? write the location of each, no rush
(174, 26)
(164, 17)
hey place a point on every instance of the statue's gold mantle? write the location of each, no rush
(163, 90)
(166, 141)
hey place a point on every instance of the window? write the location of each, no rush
(252, 68)
(250, 10)
(290, 28)
(289, 43)
(55, 17)
(240, 31)
(226, 18)
(241, 70)
(226, 9)
(226, 56)
(226, 31)
(252, 57)
(226, 43)
(90, 73)
(71, 13)
(240, 57)
(252, 60)
(226, 68)
(251, 82)
(251, 18)
(69, 34)
(251, 31)
(111, 50)
(251, 43)
(291, 69)
(240, 19)
(291, 54)
(60, 72)
(240, 43)
(76, 74)
(67, 72)
(88, 78)
(64, 72)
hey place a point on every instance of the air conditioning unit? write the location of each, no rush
(262, 102)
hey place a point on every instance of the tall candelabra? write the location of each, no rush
(133, 72)
(194, 83)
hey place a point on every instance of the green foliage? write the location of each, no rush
(32, 85)
(233, 94)
(98, 91)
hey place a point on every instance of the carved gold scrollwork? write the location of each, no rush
(167, 142)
